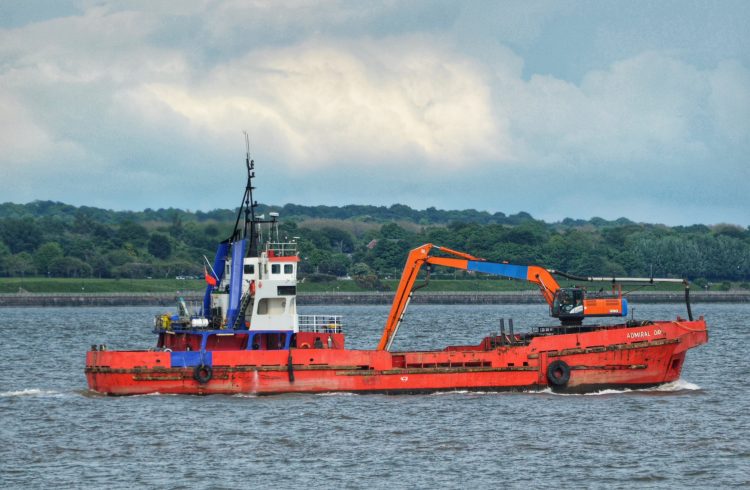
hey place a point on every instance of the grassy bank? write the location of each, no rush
(64, 285)
(53, 285)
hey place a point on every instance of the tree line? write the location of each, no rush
(46, 238)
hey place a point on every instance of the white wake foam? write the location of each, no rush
(671, 387)
(679, 385)
(30, 392)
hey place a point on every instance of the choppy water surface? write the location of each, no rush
(54, 433)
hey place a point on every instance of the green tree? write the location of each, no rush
(360, 269)
(159, 246)
(133, 233)
(338, 240)
(365, 278)
(444, 237)
(211, 231)
(730, 231)
(133, 270)
(69, 267)
(528, 233)
(81, 248)
(176, 227)
(20, 264)
(393, 231)
(4, 250)
(21, 235)
(335, 264)
(100, 266)
(44, 256)
(118, 257)
(388, 255)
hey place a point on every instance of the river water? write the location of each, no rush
(693, 433)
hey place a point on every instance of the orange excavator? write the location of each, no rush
(569, 304)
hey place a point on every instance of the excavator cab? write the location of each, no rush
(568, 305)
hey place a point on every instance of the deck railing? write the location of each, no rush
(281, 249)
(321, 323)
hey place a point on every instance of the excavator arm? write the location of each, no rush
(567, 304)
(458, 260)
(531, 273)
(414, 262)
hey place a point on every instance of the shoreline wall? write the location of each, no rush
(373, 298)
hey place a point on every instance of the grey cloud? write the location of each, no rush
(122, 97)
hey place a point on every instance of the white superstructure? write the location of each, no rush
(269, 290)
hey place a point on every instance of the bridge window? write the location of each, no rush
(275, 269)
(249, 269)
(288, 269)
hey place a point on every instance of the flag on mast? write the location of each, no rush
(210, 279)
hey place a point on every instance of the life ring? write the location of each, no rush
(304, 345)
(203, 373)
(252, 287)
(558, 373)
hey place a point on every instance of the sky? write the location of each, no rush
(580, 109)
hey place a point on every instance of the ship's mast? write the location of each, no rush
(250, 204)
(248, 229)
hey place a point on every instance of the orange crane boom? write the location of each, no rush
(567, 304)
(414, 262)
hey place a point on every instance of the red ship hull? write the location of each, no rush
(607, 357)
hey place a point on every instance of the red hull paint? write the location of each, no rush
(615, 357)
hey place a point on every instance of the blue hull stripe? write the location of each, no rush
(185, 359)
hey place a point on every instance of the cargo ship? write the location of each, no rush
(248, 338)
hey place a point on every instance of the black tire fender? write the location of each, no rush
(558, 373)
(203, 373)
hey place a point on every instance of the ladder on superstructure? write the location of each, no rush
(243, 306)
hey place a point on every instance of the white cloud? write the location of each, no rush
(644, 109)
(59, 83)
(326, 100)
(729, 102)
(361, 101)
(138, 90)
(21, 139)
(26, 144)
(97, 46)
